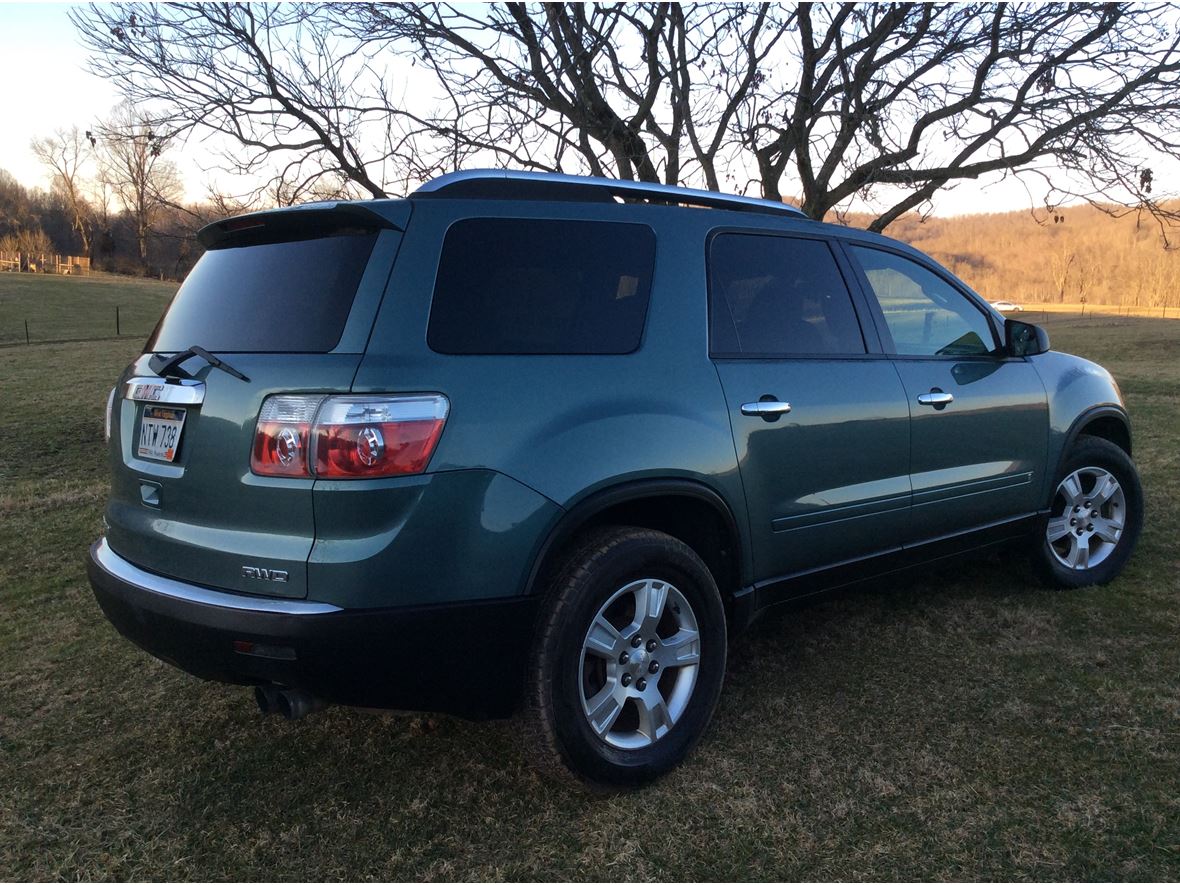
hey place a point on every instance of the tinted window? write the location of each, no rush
(778, 295)
(925, 314)
(541, 286)
(276, 297)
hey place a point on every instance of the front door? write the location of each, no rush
(979, 419)
(820, 422)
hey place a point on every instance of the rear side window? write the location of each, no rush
(529, 286)
(288, 297)
(776, 296)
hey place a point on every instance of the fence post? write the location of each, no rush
(118, 328)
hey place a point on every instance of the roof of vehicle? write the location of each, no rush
(513, 185)
(510, 185)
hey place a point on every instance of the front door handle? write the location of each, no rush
(768, 410)
(935, 398)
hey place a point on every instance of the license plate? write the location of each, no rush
(159, 432)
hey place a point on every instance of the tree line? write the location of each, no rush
(1076, 254)
(114, 196)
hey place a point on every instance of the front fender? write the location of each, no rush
(1079, 393)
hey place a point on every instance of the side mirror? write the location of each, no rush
(1025, 339)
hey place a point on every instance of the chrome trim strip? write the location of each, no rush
(712, 199)
(967, 489)
(119, 568)
(830, 515)
(157, 390)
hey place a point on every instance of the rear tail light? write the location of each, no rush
(344, 437)
(377, 436)
(283, 435)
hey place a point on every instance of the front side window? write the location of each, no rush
(778, 296)
(925, 315)
(539, 286)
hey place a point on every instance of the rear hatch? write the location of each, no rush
(285, 302)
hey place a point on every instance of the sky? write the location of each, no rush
(40, 50)
(41, 55)
(39, 37)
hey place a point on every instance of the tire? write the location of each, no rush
(1092, 526)
(644, 718)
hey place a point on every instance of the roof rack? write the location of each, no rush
(507, 184)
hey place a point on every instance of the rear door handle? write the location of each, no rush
(935, 398)
(769, 410)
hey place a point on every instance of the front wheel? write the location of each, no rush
(629, 660)
(1094, 517)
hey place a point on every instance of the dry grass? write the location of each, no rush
(60, 308)
(964, 724)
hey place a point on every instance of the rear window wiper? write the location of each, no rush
(171, 365)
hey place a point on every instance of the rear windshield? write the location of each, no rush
(289, 297)
(531, 286)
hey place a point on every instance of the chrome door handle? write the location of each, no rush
(935, 398)
(768, 410)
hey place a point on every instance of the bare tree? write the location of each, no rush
(32, 241)
(640, 91)
(134, 166)
(918, 97)
(822, 102)
(288, 99)
(65, 154)
(1060, 265)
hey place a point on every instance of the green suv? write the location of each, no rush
(540, 443)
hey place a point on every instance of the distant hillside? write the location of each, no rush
(1084, 254)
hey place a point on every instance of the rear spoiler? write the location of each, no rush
(300, 223)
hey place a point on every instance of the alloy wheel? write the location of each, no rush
(1087, 518)
(639, 663)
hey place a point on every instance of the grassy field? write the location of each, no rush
(962, 724)
(59, 308)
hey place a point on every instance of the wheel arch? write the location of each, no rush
(1107, 422)
(690, 511)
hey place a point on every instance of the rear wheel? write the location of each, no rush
(629, 660)
(1094, 517)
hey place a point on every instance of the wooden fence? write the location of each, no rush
(28, 262)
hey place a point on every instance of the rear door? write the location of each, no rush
(826, 481)
(289, 306)
(979, 418)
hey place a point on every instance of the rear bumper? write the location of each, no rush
(463, 658)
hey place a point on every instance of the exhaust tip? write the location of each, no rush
(267, 698)
(295, 704)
